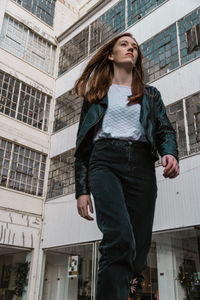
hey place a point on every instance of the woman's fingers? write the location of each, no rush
(171, 166)
(83, 202)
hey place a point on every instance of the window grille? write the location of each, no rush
(73, 51)
(21, 168)
(176, 117)
(13, 36)
(43, 9)
(111, 23)
(61, 175)
(23, 102)
(189, 36)
(67, 110)
(28, 45)
(139, 8)
(185, 118)
(193, 120)
(160, 53)
(193, 38)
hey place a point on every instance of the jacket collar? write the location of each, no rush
(104, 101)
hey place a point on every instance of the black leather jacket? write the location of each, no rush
(153, 118)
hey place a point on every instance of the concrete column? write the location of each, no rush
(32, 292)
(178, 260)
(165, 266)
(3, 5)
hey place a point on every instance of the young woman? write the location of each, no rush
(123, 123)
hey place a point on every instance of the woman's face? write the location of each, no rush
(125, 52)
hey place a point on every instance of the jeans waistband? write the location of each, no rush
(119, 142)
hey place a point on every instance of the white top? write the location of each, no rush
(120, 120)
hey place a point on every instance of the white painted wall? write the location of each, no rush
(18, 228)
(23, 134)
(86, 5)
(63, 140)
(180, 83)
(19, 66)
(61, 218)
(19, 201)
(178, 202)
(2, 11)
(66, 13)
(165, 268)
(177, 206)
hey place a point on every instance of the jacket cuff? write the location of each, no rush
(81, 178)
(80, 193)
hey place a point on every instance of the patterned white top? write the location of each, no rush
(121, 121)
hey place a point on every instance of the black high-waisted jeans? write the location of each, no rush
(122, 181)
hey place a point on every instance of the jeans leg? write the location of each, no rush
(118, 244)
(140, 194)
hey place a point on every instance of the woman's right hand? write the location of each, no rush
(83, 202)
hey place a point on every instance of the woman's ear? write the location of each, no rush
(110, 57)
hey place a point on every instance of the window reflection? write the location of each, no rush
(24, 102)
(21, 172)
(42, 9)
(68, 273)
(28, 45)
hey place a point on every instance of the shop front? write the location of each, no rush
(173, 270)
(14, 272)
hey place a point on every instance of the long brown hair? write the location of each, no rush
(97, 76)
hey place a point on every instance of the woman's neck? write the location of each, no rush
(122, 76)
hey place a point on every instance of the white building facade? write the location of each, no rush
(42, 55)
(28, 49)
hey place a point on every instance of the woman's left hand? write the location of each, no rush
(171, 166)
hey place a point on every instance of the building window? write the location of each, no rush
(193, 120)
(173, 268)
(23, 102)
(13, 36)
(14, 265)
(73, 51)
(112, 22)
(75, 266)
(61, 175)
(43, 9)
(38, 53)
(139, 8)
(193, 38)
(177, 264)
(176, 116)
(160, 53)
(28, 45)
(67, 110)
(185, 118)
(189, 34)
(21, 168)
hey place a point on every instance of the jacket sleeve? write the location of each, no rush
(81, 163)
(165, 134)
